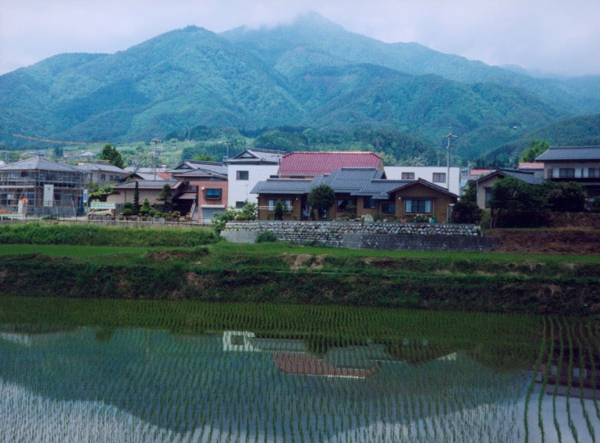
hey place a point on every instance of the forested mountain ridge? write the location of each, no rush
(311, 73)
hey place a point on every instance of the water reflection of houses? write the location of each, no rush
(580, 383)
(293, 357)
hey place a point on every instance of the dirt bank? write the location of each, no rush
(548, 241)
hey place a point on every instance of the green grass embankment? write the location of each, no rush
(280, 273)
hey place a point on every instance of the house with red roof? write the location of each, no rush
(306, 165)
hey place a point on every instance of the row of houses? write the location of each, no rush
(363, 186)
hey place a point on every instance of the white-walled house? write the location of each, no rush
(245, 170)
(438, 175)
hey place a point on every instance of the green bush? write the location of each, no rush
(266, 237)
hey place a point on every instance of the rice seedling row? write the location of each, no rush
(189, 372)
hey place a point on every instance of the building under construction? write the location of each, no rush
(38, 186)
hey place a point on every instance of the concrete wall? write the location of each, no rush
(384, 235)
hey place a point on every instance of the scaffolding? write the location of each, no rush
(41, 188)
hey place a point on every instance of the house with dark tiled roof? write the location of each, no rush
(485, 183)
(575, 164)
(147, 189)
(359, 192)
(103, 173)
(311, 164)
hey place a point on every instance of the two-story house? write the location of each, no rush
(573, 163)
(103, 173)
(248, 168)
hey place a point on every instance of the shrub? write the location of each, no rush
(266, 237)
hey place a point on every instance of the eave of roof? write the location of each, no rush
(319, 163)
(570, 153)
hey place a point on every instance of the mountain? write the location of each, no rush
(312, 73)
(577, 131)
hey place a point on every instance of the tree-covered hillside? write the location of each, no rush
(578, 131)
(310, 74)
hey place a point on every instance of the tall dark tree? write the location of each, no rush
(278, 210)
(111, 154)
(320, 198)
(136, 198)
(565, 196)
(466, 209)
(166, 197)
(514, 203)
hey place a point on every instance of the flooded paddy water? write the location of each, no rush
(136, 384)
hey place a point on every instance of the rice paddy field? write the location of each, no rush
(75, 370)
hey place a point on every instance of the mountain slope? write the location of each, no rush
(312, 73)
(313, 39)
(182, 78)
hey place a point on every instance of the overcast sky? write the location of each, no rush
(556, 36)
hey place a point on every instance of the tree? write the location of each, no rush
(59, 152)
(466, 209)
(320, 198)
(203, 158)
(534, 151)
(136, 198)
(113, 156)
(166, 196)
(514, 203)
(278, 210)
(565, 196)
(146, 209)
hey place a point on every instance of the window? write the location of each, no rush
(418, 206)
(566, 173)
(388, 207)
(213, 194)
(240, 205)
(408, 176)
(368, 203)
(439, 177)
(488, 196)
(342, 204)
(242, 175)
(287, 205)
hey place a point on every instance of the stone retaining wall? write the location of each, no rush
(381, 235)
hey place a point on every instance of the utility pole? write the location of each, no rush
(449, 136)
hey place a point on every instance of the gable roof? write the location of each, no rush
(283, 186)
(189, 165)
(41, 164)
(570, 153)
(257, 156)
(423, 182)
(528, 177)
(199, 173)
(321, 163)
(379, 189)
(354, 181)
(349, 179)
(101, 167)
(147, 184)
